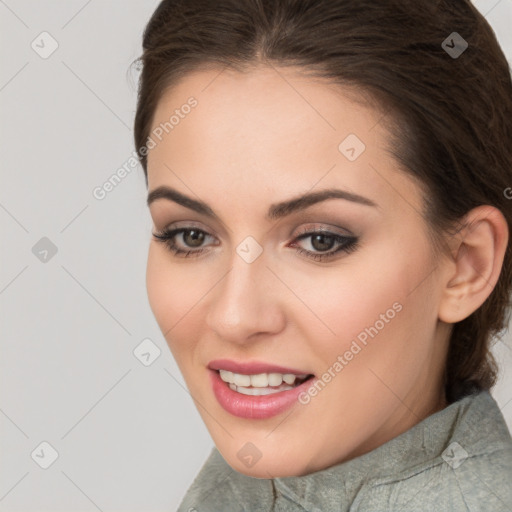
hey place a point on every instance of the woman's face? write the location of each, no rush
(254, 297)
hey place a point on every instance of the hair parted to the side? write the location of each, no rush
(449, 119)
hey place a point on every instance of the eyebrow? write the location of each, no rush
(275, 211)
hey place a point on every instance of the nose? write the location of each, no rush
(246, 303)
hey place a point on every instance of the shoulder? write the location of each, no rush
(480, 483)
(472, 473)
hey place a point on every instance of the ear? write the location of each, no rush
(477, 254)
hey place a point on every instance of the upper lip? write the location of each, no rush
(251, 367)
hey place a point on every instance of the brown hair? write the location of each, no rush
(450, 116)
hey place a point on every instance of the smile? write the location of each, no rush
(262, 383)
(261, 395)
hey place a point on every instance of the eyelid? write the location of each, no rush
(183, 223)
(327, 228)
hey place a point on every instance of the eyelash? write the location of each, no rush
(349, 244)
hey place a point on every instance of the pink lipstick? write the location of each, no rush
(256, 390)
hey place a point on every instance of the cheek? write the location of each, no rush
(173, 295)
(158, 286)
(369, 300)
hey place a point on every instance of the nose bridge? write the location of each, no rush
(241, 306)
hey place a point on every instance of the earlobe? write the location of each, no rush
(478, 253)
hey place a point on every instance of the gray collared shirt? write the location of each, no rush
(458, 459)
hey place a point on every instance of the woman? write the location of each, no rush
(330, 257)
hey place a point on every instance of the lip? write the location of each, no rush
(252, 367)
(255, 407)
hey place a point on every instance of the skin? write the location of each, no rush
(262, 137)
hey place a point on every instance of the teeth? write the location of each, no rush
(237, 381)
(259, 381)
(289, 378)
(241, 380)
(275, 379)
(226, 376)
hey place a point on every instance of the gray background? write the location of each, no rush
(128, 436)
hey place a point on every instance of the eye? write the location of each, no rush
(191, 237)
(324, 241)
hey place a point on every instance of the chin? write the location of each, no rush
(260, 470)
(267, 467)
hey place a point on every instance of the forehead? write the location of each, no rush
(265, 101)
(270, 129)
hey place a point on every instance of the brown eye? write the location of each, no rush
(322, 242)
(184, 242)
(193, 237)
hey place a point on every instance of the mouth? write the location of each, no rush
(257, 395)
(262, 384)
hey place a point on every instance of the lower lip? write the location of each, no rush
(255, 407)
